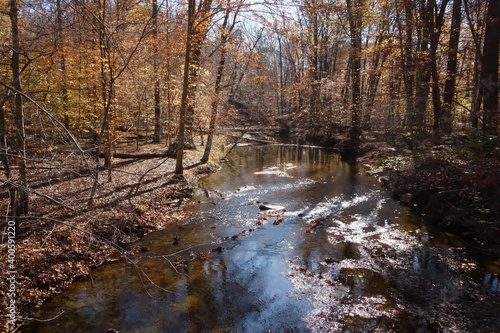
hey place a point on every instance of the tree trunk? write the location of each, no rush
(477, 95)
(218, 80)
(179, 167)
(200, 27)
(423, 74)
(489, 76)
(451, 68)
(157, 136)
(198, 23)
(107, 90)
(408, 65)
(107, 82)
(374, 78)
(19, 195)
(4, 149)
(435, 21)
(477, 91)
(62, 64)
(355, 21)
(315, 74)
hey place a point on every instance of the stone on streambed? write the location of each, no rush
(271, 207)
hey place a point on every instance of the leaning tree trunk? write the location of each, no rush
(218, 80)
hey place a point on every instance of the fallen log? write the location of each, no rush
(139, 156)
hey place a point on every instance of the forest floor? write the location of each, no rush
(456, 186)
(62, 239)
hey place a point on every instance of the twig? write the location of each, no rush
(45, 320)
(171, 254)
(154, 284)
(173, 266)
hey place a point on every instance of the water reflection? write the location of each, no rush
(341, 257)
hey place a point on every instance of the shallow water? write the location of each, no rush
(336, 254)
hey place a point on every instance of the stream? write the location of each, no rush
(288, 239)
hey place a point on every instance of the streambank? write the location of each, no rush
(54, 246)
(454, 186)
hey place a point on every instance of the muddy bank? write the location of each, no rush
(56, 245)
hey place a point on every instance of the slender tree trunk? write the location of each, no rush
(179, 167)
(489, 76)
(157, 97)
(423, 73)
(62, 63)
(194, 71)
(107, 90)
(393, 91)
(199, 28)
(281, 104)
(4, 148)
(477, 91)
(107, 82)
(451, 68)
(315, 74)
(373, 80)
(19, 195)
(218, 80)
(198, 23)
(408, 66)
(434, 25)
(168, 65)
(477, 96)
(355, 21)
